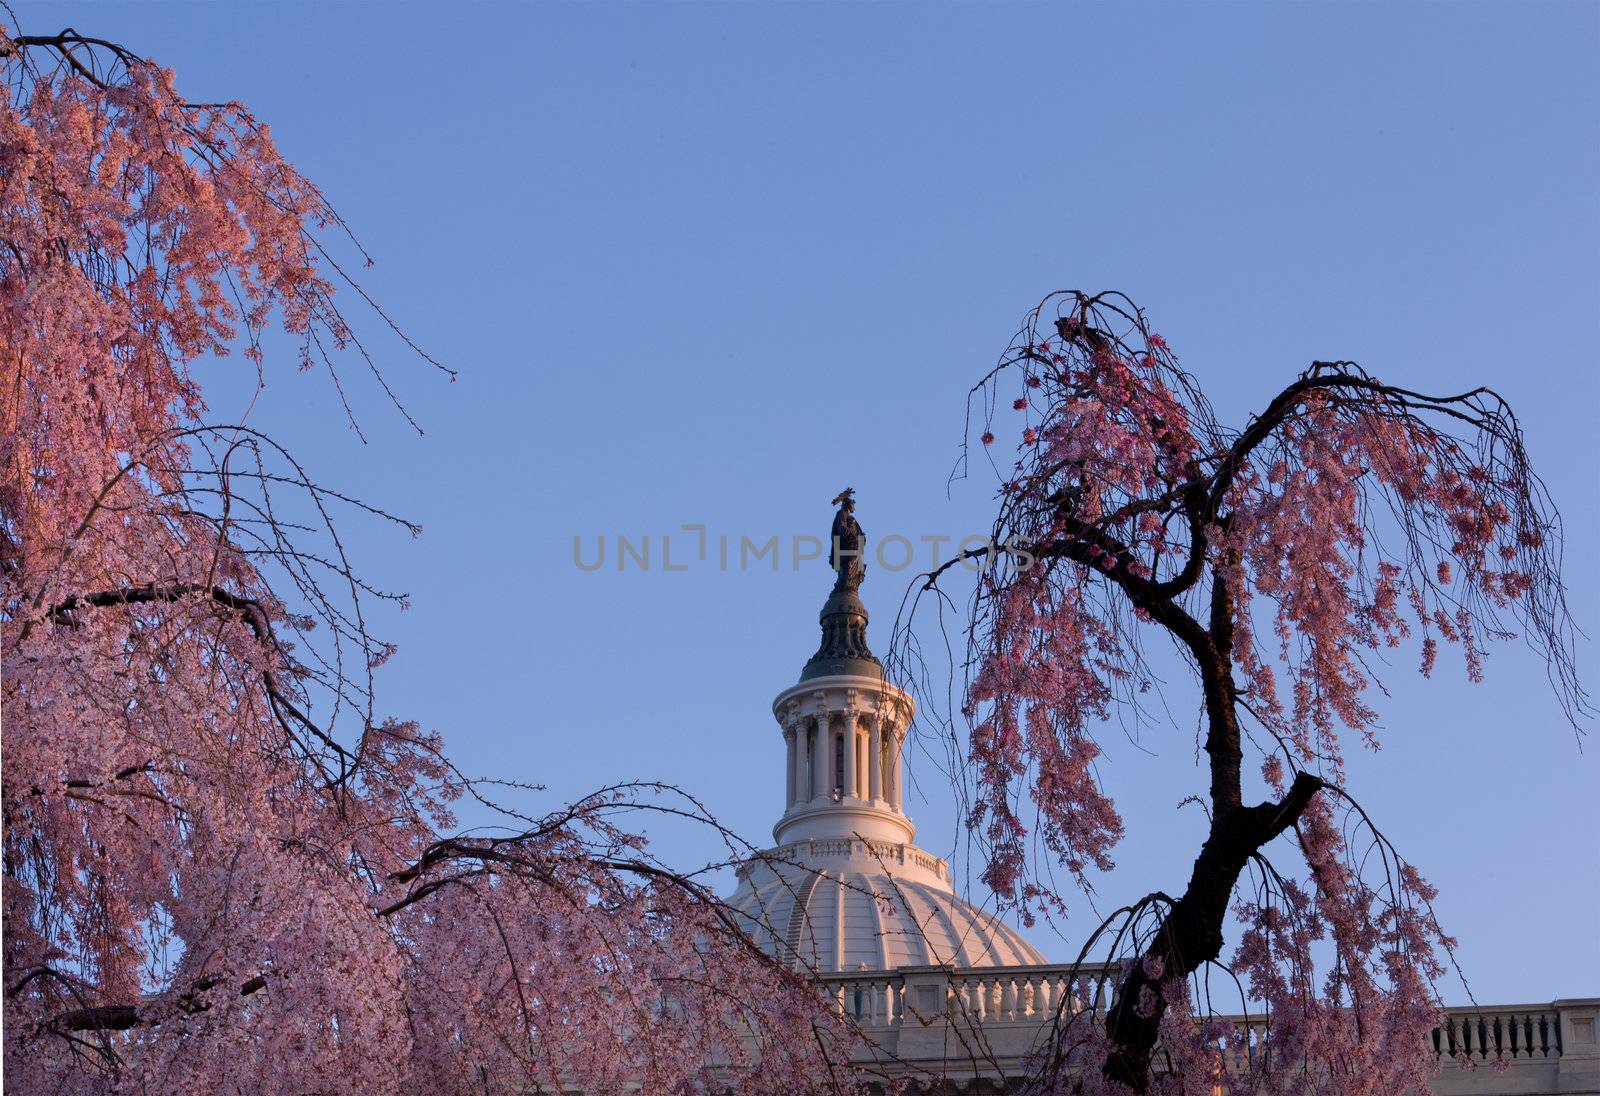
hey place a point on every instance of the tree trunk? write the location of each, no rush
(1191, 934)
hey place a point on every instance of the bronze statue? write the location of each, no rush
(848, 542)
(844, 618)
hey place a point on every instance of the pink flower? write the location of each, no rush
(988, 438)
(1019, 404)
(1030, 435)
(1272, 770)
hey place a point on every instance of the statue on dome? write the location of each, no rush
(848, 542)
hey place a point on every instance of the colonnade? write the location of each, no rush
(852, 753)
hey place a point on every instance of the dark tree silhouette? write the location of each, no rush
(1346, 517)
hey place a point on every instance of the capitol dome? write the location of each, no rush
(845, 888)
(850, 905)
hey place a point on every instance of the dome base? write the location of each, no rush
(868, 819)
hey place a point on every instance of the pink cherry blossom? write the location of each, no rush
(1254, 551)
(225, 871)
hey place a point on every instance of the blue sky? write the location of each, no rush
(709, 264)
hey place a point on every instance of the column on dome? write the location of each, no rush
(847, 729)
(883, 763)
(875, 758)
(861, 761)
(896, 742)
(822, 757)
(799, 777)
(788, 770)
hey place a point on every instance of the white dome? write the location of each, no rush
(844, 905)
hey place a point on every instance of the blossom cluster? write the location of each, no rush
(223, 871)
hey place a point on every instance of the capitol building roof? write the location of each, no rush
(846, 888)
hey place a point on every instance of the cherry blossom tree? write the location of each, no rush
(1282, 561)
(224, 870)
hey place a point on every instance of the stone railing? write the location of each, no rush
(932, 1018)
(986, 994)
(1507, 1033)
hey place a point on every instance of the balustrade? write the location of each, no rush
(985, 994)
(1505, 1034)
(1039, 994)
